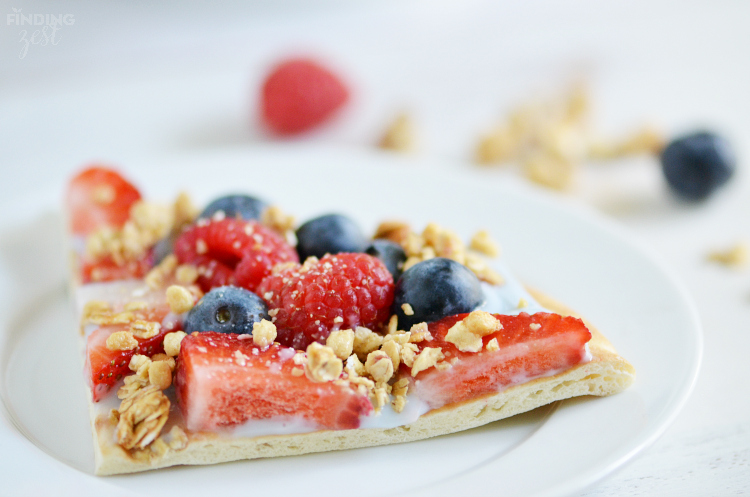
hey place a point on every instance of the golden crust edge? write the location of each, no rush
(606, 374)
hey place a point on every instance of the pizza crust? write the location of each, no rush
(606, 374)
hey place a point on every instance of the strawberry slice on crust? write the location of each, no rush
(98, 197)
(106, 367)
(223, 380)
(530, 346)
(106, 269)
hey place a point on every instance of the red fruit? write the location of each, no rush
(300, 94)
(107, 270)
(525, 353)
(105, 367)
(232, 252)
(99, 197)
(338, 292)
(224, 381)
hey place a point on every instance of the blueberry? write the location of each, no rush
(391, 254)
(242, 206)
(329, 234)
(226, 309)
(697, 164)
(434, 289)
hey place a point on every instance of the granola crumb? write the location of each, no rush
(400, 135)
(379, 366)
(172, 342)
(186, 274)
(297, 371)
(160, 374)
(145, 329)
(443, 365)
(408, 353)
(177, 438)
(492, 345)
(156, 277)
(322, 364)
(483, 243)
(94, 308)
(393, 349)
(365, 341)
(398, 403)
(121, 340)
(551, 171)
(180, 299)
(736, 256)
(277, 220)
(426, 359)
(408, 310)
(522, 303)
(142, 416)
(467, 334)
(393, 324)
(264, 333)
(378, 397)
(137, 305)
(342, 343)
(354, 366)
(395, 231)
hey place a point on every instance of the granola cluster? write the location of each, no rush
(144, 409)
(550, 139)
(436, 241)
(148, 223)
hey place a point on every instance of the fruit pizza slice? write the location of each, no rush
(210, 337)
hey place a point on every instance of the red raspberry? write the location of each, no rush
(299, 94)
(338, 292)
(232, 252)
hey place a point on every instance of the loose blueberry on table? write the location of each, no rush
(697, 164)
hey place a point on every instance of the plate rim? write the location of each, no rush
(448, 170)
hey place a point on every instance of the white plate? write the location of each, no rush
(568, 252)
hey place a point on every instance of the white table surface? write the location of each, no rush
(128, 80)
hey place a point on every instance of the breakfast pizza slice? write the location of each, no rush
(211, 337)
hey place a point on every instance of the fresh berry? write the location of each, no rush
(239, 206)
(434, 289)
(697, 164)
(329, 234)
(299, 94)
(106, 269)
(227, 309)
(232, 252)
(224, 381)
(530, 346)
(105, 367)
(338, 292)
(98, 197)
(390, 253)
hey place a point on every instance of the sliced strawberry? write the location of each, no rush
(107, 270)
(98, 197)
(105, 367)
(224, 381)
(530, 346)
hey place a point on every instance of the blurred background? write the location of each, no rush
(119, 80)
